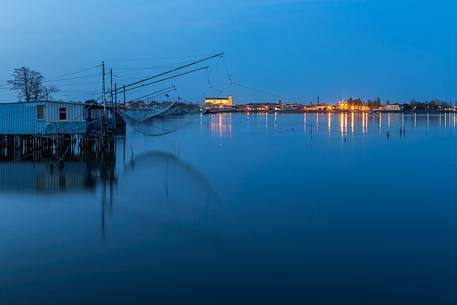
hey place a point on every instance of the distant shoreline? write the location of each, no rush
(220, 111)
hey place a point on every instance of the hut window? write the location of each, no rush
(40, 112)
(62, 113)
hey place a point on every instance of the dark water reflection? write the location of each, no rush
(41, 177)
(261, 209)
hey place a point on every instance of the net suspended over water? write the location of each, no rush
(160, 119)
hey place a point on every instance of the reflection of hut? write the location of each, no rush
(42, 178)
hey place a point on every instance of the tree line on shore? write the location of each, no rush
(412, 105)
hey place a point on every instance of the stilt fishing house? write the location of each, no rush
(42, 118)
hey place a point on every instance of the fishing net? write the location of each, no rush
(159, 120)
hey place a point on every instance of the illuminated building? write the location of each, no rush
(219, 102)
(345, 106)
(321, 107)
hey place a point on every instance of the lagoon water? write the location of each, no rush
(242, 209)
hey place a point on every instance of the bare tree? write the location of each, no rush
(36, 86)
(29, 84)
(47, 91)
(22, 83)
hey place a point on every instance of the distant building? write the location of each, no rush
(351, 106)
(391, 107)
(258, 107)
(293, 107)
(319, 107)
(221, 102)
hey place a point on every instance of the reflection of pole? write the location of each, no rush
(125, 140)
(166, 182)
(111, 193)
(103, 208)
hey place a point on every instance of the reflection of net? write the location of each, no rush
(157, 121)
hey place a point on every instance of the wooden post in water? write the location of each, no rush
(14, 147)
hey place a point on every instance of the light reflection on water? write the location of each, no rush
(221, 124)
(327, 208)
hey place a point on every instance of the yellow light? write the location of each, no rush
(352, 122)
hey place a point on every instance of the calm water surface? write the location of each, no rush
(242, 209)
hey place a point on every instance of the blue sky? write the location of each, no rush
(298, 50)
